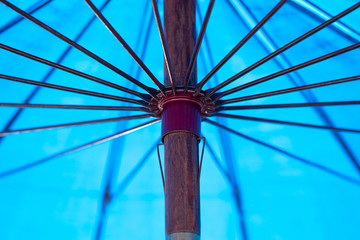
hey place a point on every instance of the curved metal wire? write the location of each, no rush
(198, 44)
(284, 48)
(164, 46)
(318, 166)
(125, 45)
(75, 149)
(239, 45)
(268, 44)
(80, 48)
(288, 70)
(26, 130)
(73, 90)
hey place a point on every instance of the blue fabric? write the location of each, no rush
(281, 198)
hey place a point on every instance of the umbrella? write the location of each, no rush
(277, 83)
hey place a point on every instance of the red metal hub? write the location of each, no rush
(181, 112)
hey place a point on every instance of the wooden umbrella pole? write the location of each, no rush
(181, 119)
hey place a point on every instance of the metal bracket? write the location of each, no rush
(200, 165)
(202, 155)
(161, 169)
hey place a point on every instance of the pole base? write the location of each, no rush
(183, 236)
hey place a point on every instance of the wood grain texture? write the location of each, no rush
(182, 198)
(180, 34)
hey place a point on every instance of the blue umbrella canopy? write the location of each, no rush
(78, 149)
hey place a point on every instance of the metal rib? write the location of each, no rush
(145, 44)
(236, 190)
(288, 70)
(290, 105)
(314, 11)
(74, 124)
(307, 162)
(225, 145)
(73, 71)
(132, 174)
(284, 122)
(80, 48)
(126, 46)
(84, 107)
(116, 151)
(51, 72)
(288, 90)
(217, 163)
(240, 44)
(236, 193)
(87, 145)
(74, 90)
(103, 212)
(198, 44)
(34, 8)
(284, 48)
(164, 46)
(283, 62)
